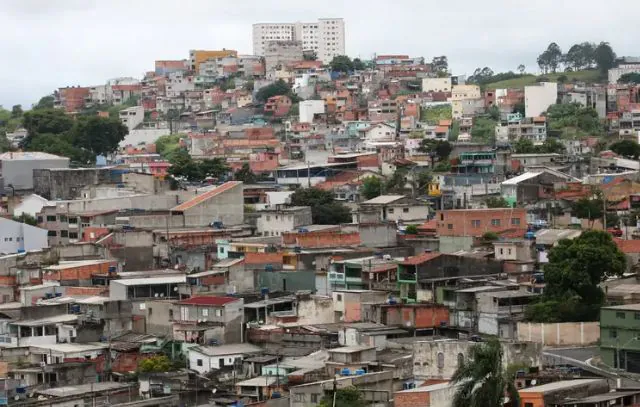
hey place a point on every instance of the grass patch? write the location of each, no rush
(589, 76)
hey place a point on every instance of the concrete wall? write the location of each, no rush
(227, 207)
(374, 234)
(66, 184)
(16, 236)
(315, 310)
(561, 334)
(19, 173)
(439, 359)
(143, 202)
(294, 280)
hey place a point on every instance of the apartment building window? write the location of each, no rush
(515, 221)
(620, 315)
(475, 223)
(405, 210)
(39, 220)
(63, 218)
(199, 362)
(495, 222)
(613, 334)
(636, 315)
(51, 218)
(450, 226)
(73, 235)
(52, 233)
(205, 312)
(64, 233)
(218, 312)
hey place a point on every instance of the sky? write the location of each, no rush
(48, 44)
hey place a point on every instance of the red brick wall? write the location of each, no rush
(7, 281)
(462, 225)
(90, 291)
(79, 273)
(263, 258)
(411, 399)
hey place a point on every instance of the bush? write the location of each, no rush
(411, 230)
(490, 237)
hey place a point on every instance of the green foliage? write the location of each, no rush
(455, 131)
(626, 148)
(420, 180)
(588, 208)
(155, 364)
(45, 102)
(245, 175)
(524, 146)
(277, 88)
(396, 182)
(481, 76)
(371, 188)
(604, 57)
(341, 63)
(440, 65)
(572, 277)
(98, 135)
(324, 210)
(347, 397)
(27, 219)
(358, 65)
(60, 144)
(227, 84)
(490, 236)
(182, 165)
(588, 76)
(494, 112)
(310, 56)
(167, 145)
(632, 78)
(580, 56)
(496, 202)
(51, 121)
(411, 230)
(481, 380)
(573, 118)
(432, 115)
(550, 59)
(484, 129)
(439, 148)
(442, 166)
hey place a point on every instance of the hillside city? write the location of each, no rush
(296, 227)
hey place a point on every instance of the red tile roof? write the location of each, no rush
(208, 301)
(423, 258)
(198, 199)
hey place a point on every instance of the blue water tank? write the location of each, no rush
(275, 395)
(112, 269)
(360, 372)
(345, 372)
(264, 291)
(303, 230)
(530, 235)
(75, 309)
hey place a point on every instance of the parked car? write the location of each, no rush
(615, 231)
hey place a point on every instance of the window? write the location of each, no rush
(501, 251)
(63, 218)
(613, 334)
(620, 315)
(509, 251)
(495, 222)
(515, 221)
(170, 315)
(150, 311)
(390, 210)
(39, 220)
(636, 315)
(528, 404)
(460, 359)
(339, 297)
(52, 233)
(314, 398)
(218, 312)
(64, 233)
(73, 235)
(51, 218)
(475, 223)
(440, 360)
(450, 226)
(405, 210)
(199, 362)
(205, 312)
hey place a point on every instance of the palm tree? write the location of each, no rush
(482, 381)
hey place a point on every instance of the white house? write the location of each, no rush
(309, 108)
(274, 222)
(378, 132)
(31, 205)
(538, 98)
(16, 236)
(436, 84)
(132, 117)
(204, 359)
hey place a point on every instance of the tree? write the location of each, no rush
(277, 88)
(626, 148)
(27, 219)
(324, 210)
(166, 145)
(16, 111)
(521, 69)
(551, 58)
(497, 202)
(155, 364)
(396, 182)
(518, 108)
(588, 208)
(631, 78)
(494, 112)
(484, 129)
(524, 146)
(45, 102)
(411, 230)
(62, 145)
(481, 76)
(358, 65)
(580, 56)
(371, 187)
(440, 65)
(347, 397)
(551, 146)
(310, 55)
(245, 175)
(420, 180)
(341, 63)
(50, 121)
(99, 135)
(481, 379)
(573, 276)
(213, 168)
(440, 149)
(604, 57)
(563, 117)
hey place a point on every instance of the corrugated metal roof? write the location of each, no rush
(151, 280)
(383, 199)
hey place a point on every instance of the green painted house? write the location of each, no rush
(620, 336)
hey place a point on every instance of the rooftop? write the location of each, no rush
(198, 199)
(71, 347)
(419, 259)
(383, 199)
(561, 385)
(233, 349)
(80, 389)
(260, 381)
(271, 301)
(58, 319)
(626, 307)
(64, 265)
(214, 301)
(351, 349)
(151, 280)
(29, 155)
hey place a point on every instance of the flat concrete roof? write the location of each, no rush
(561, 385)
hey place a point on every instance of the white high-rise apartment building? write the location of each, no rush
(325, 36)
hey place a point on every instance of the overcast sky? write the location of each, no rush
(48, 44)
